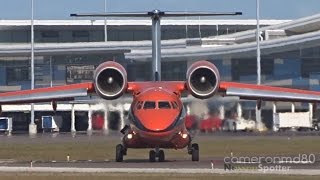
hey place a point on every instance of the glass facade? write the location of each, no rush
(47, 34)
(300, 69)
(51, 70)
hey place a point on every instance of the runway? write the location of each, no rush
(209, 165)
(204, 163)
(309, 172)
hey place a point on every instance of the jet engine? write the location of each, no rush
(110, 80)
(203, 79)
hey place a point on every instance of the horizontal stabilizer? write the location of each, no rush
(155, 13)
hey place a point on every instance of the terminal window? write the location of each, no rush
(80, 34)
(79, 73)
(15, 74)
(50, 34)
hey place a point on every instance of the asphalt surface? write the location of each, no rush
(169, 163)
(98, 136)
(217, 163)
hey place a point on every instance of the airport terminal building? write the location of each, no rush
(68, 51)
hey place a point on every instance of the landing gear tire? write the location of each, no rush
(195, 152)
(119, 153)
(152, 156)
(161, 156)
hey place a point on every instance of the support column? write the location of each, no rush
(105, 123)
(89, 130)
(73, 120)
(274, 107)
(259, 125)
(292, 107)
(275, 122)
(221, 111)
(239, 110)
(121, 117)
(32, 125)
(311, 111)
(32, 129)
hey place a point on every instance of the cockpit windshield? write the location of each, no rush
(174, 105)
(139, 105)
(156, 105)
(149, 105)
(164, 105)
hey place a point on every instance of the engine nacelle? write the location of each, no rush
(203, 79)
(110, 80)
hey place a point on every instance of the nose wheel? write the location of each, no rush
(161, 156)
(193, 150)
(153, 154)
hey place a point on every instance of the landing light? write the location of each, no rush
(129, 136)
(184, 136)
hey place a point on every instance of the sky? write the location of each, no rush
(60, 9)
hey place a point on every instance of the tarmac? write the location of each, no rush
(308, 172)
(215, 166)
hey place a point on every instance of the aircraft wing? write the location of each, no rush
(269, 93)
(57, 93)
(242, 90)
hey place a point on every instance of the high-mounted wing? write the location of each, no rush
(57, 93)
(268, 93)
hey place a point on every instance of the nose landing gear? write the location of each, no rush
(153, 154)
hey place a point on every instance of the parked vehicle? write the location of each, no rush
(240, 124)
(294, 121)
(51, 123)
(6, 124)
(210, 124)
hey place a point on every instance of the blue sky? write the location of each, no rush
(60, 9)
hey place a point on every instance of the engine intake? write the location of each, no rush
(203, 79)
(110, 80)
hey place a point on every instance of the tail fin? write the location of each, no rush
(156, 29)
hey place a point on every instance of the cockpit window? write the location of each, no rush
(164, 105)
(174, 105)
(149, 105)
(139, 105)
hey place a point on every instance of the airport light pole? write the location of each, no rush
(32, 57)
(105, 22)
(258, 106)
(32, 128)
(51, 73)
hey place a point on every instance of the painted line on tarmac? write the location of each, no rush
(311, 172)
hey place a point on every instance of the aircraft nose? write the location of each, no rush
(157, 120)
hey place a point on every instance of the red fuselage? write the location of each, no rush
(157, 119)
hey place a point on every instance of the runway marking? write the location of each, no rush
(310, 172)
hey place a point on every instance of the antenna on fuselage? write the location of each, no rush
(156, 29)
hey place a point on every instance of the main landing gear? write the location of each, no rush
(120, 152)
(153, 154)
(193, 149)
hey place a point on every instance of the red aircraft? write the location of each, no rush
(157, 115)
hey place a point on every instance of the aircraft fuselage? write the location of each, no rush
(156, 120)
